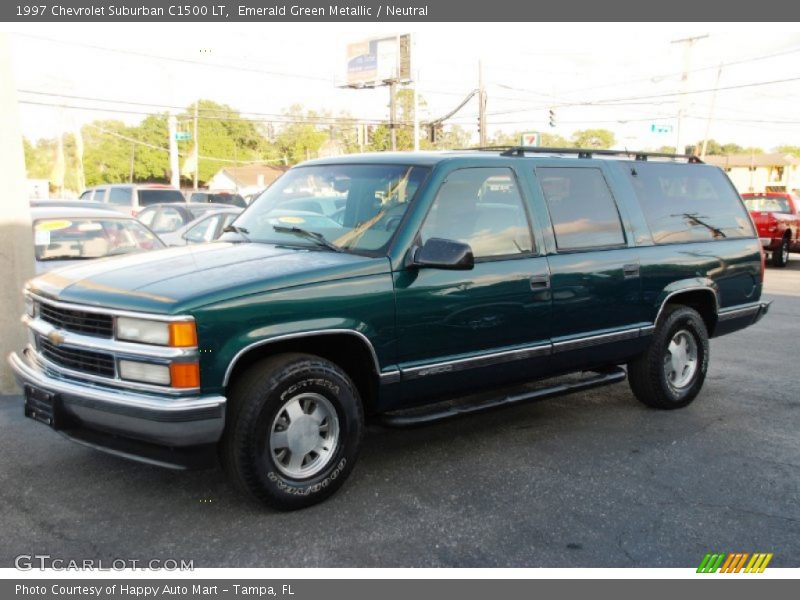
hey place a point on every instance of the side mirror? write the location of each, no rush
(437, 253)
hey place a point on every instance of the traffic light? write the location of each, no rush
(552, 118)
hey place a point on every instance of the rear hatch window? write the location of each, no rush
(689, 203)
(148, 197)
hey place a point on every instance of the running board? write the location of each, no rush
(449, 409)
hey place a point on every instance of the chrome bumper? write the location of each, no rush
(149, 418)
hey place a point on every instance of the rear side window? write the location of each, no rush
(148, 197)
(768, 204)
(689, 203)
(582, 209)
(120, 196)
(99, 195)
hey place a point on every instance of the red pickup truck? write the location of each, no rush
(777, 218)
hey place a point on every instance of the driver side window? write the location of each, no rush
(481, 207)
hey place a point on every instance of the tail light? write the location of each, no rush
(763, 261)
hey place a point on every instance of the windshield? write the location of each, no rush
(84, 238)
(767, 204)
(356, 207)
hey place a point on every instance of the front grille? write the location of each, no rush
(78, 321)
(85, 361)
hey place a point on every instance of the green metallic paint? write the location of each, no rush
(242, 294)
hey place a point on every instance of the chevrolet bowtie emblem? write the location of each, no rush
(56, 338)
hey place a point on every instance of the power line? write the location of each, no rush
(202, 63)
(283, 120)
(268, 116)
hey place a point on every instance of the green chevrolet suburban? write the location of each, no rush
(408, 287)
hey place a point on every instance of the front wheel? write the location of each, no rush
(293, 432)
(780, 257)
(671, 372)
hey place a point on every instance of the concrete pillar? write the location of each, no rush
(16, 237)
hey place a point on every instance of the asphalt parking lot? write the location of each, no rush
(587, 480)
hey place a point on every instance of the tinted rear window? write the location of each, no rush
(689, 203)
(581, 206)
(148, 197)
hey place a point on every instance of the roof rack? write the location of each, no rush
(587, 152)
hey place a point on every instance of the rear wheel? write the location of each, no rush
(293, 431)
(780, 257)
(671, 372)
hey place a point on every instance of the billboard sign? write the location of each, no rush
(379, 60)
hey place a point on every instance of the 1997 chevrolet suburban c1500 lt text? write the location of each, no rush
(393, 285)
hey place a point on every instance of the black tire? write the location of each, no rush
(257, 405)
(780, 257)
(647, 374)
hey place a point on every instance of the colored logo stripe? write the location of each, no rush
(734, 562)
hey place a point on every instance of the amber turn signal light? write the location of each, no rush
(184, 375)
(182, 334)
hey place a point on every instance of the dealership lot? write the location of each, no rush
(592, 479)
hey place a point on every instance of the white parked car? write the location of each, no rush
(205, 228)
(64, 235)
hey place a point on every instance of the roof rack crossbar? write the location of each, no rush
(587, 152)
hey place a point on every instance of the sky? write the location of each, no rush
(622, 77)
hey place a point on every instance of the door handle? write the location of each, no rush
(630, 270)
(540, 282)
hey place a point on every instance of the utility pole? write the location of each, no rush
(481, 108)
(687, 50)
(196, 145)
(174, 167)
(711, 113)
(393, 112)
(416, 115)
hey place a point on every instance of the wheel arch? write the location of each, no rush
(701, 298)
(351, 350)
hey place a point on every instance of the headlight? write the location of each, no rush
(144, 372)
(180, 334)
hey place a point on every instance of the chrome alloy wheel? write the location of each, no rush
(304, 435)
(785, 251)
(680, 359)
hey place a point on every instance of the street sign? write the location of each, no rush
(656, 128)
(182, 136)
(531, 138)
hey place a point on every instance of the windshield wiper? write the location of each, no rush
(310, 235)
(240, 230)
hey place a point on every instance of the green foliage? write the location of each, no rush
(788, 150)
(302, 139)
(593, 138)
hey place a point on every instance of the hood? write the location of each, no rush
(178, 279)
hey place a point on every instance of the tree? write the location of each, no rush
(593, 138)
(301, 138)
(788, 150)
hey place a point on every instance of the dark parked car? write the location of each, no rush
(166, 218)
(442, 282)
